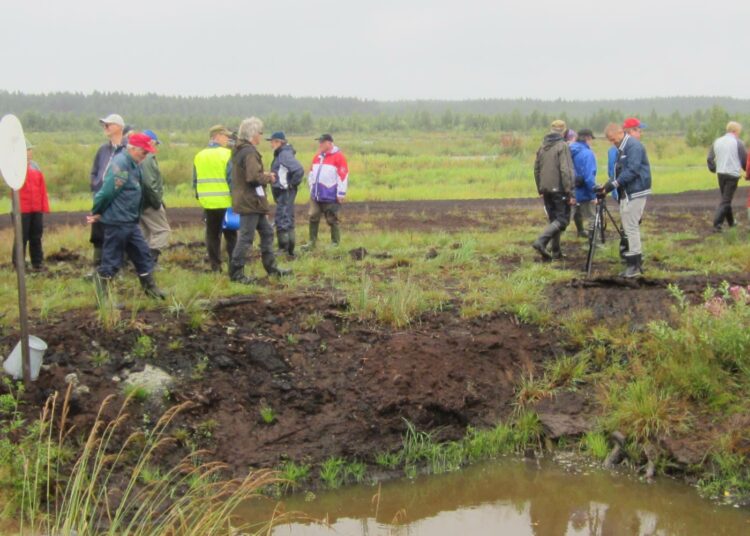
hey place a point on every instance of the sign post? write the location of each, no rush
(13, 168)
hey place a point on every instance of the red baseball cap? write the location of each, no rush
(142, 141)
(633, 122)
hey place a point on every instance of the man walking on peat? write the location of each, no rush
(553, 173)
(727, 158)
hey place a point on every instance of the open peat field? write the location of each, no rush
(431, 338)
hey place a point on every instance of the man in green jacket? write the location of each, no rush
(249, 200)
(154, 223)
(554, 174)
(117, 206)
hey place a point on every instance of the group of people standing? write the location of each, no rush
(565, 174)
(230, 181)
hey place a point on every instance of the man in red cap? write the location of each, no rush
(117, 205)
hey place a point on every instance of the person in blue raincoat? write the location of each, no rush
(584, 162)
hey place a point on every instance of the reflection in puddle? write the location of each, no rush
(514, 498)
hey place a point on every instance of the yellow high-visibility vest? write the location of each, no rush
(211, 177)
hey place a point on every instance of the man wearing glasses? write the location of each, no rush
(113, 126)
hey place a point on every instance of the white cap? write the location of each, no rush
(113, 119)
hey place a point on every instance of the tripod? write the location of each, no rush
(600, 225)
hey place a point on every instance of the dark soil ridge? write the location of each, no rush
(437, 214)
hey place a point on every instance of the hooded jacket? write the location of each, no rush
(584, 163)
(119, 200)
(329, 177)
(292, 172)
(248, 180)
(33, 193)
(553, 169)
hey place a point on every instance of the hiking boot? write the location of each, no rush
(149, 286)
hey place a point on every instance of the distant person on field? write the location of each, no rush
(553, 173)
(727, 158)
(117, 206)
(34, 204)
(114, 126)
(584, 163)
(328, 181)
(249, 200)
(747, 178)
(212, 176)
(289, 174)
(154, 223)
(632, 180)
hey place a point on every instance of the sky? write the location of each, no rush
(382, 49)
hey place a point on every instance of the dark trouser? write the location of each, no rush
(97, 234)
(249, 223)
(214, 221)
(124, 238)
(32, 228)
(727, 187)
(331, 213)
(558, 214)
(284, 217)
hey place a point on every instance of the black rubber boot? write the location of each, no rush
(335, 234)
(291, 243)
(269, 263)
(540, 244)
(282, 237)
(555, 249)
(155, 255)
(149, 286)
(633, 268)
(237, 275)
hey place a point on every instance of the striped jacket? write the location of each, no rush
(329, 177)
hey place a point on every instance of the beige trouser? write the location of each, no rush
(155, 227)
(631, 212)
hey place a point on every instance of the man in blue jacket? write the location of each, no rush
(632, 180)
(584, 163)
(117, 206)
(289, 174)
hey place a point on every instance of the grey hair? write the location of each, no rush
(249, 128)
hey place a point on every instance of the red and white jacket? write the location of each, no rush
(329, 177)
(33, 193)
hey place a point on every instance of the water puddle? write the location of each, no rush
(515, 498)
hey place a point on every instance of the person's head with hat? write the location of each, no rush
(586, 135)
(139, 146)
(29, 152)
(277, 139)
(558, 126)
(325, 143)
(633, 127)
(154, 138)
(219, 135)
(113, 126)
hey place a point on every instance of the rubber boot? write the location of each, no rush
(149, 286)
(540, 244)
(237, 274)
(633, 268)
(283, 239)
(313, 235)
(578, 220)
(269, 263)
(291, 243)
(155, 256)
(555, 249)
(335, 234)
(96, 262)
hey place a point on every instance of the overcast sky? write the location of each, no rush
(380, 49)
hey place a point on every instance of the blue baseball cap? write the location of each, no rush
(151, 134)
(277, 136)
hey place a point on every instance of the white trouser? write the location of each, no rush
(631, 212)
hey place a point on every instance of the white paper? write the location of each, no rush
(260, 191)
(283, 172)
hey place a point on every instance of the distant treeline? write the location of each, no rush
(696, 117)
